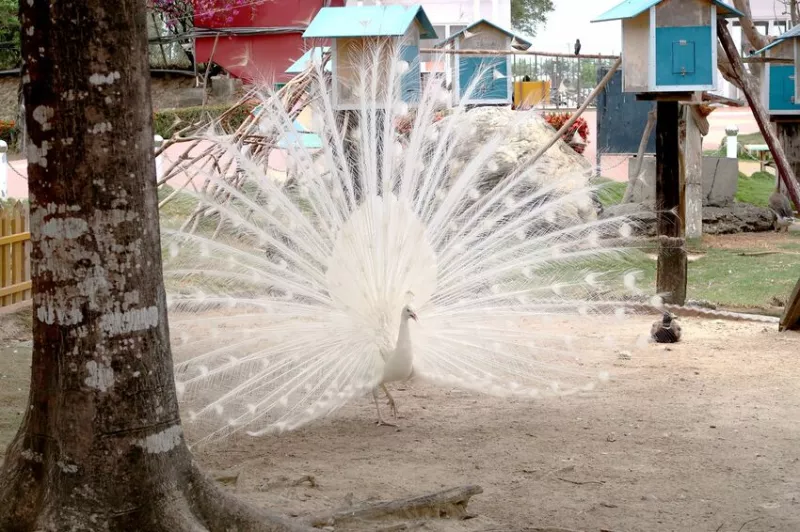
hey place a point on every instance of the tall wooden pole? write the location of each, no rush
(672, 261)
(752, 95)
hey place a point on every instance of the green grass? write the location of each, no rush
(611, 192)
(724, 277)
(755, 189)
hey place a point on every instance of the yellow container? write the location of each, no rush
(530, 93)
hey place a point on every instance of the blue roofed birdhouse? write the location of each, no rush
(780, 88)
(669, 45)
(363, 35)
(484, 80)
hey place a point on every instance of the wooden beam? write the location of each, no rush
(762, 60)
(683, 97)
(672, 259)
(752, 95)
(790, 321)
(693, 167)
(450, 51)
(789, 136)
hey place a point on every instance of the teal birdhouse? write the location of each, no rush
(362, 35)
(669, 45)
(484, 80)
(780, 87)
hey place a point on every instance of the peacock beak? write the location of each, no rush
(414, 317)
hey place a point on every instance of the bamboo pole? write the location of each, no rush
(600, 86)
(450, 51)
(752, 95)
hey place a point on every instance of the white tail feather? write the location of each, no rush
(303, 283)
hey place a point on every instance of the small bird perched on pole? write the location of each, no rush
(666, 330)
(577, 46)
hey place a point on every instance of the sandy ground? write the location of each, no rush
(697, 436)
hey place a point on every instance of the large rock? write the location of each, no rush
(733, 218)
(523, 133)
(720, 180)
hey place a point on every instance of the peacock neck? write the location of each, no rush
(404, 336)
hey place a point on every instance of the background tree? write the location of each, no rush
(101, 445)
(526, 15)
(9, 34)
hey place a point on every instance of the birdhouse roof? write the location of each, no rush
(524, 44)
(302, 136)
(793, 33)
(301, 64)
(633, 8)
(368, 21)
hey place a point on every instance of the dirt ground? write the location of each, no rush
(698, 436)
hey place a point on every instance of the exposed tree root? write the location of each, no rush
(220, 510)
(448, 504)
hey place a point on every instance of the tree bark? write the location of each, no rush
(101, 445)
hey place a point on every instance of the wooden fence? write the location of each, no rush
(15, 261)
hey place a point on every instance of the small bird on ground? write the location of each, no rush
(398, 363)
(577, 46)
(666, 330)
(781, 207)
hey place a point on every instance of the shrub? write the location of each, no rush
(165, 123)
(8, 132)
(580, 127)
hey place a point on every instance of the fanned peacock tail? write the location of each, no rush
(284, 293)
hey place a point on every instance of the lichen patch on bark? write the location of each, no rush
(101, 376)
(162, 442)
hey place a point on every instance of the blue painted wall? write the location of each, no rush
(487, 87)
(781, 88)
(684, 56)
(411, 82)
(621, 118)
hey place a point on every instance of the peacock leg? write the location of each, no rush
(392, 404)
(378, 408)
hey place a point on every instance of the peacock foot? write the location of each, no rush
(382, 423)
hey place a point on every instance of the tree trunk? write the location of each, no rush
(101, 445)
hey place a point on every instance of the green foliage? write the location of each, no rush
(9, 34)
(755, 189)
(526, 15)
(8, 132)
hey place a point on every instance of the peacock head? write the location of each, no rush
(409, 313)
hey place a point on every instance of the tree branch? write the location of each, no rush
(449, 504)
(749, 29)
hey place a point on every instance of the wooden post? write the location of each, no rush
(693, 165)
(672, 262)
(790, 321)
(789, 137)
(752, 94)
